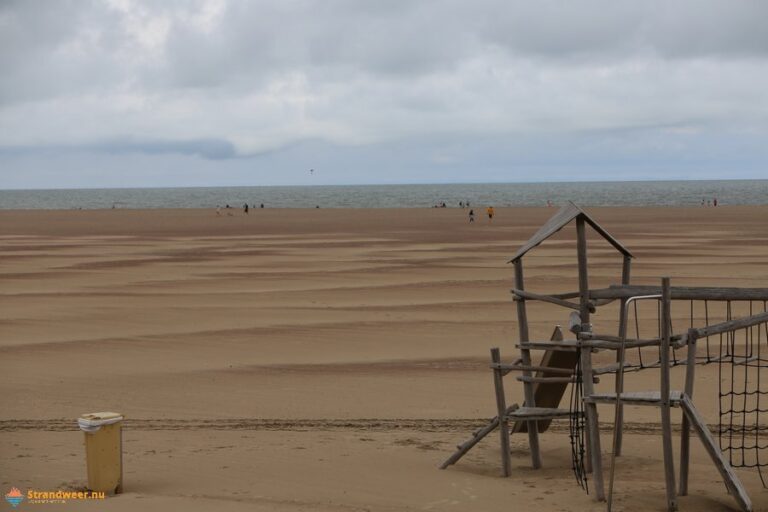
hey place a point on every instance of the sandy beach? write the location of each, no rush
(324, 359)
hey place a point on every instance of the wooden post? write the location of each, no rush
(525, 355)
(625, 277)
(501, 406)
(666, 420)
(685, 435)
(590, 408)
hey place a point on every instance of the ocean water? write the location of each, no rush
(636, 193)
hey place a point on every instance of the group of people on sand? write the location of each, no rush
(442, 204)
(229, 209)
(488, 211)
(712, 202)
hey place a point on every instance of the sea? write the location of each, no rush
(626, 193)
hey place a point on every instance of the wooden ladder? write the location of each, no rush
(547, 382)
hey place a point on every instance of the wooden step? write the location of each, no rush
(506, 368)
(544, 380)
(537, 413)
(635, 398)
(570, 345)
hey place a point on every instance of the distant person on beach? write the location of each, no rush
(245, 208)
(714, 202)
(490, 213)
(471, 216)
(262, 205)
(218, 210)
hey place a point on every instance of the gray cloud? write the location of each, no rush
(218, 79)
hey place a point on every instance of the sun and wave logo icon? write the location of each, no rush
(14, 497)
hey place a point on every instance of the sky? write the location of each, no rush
(129, 93)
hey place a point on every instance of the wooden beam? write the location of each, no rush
(682, 292)
(666, 419)
(731, 325)
(592, 422)
(618, 417)
(506, 368)
(525, 355)
(523, 378)
(477, 436)
(501, 407)
(685, 435)
(522, 294)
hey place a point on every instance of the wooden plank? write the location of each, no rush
(682, 292)
(666, 419)
(685, 435)
(600, 341)
(557, 222)
(569, 345)
(538, 413)
(731, 325)
(543, 380)
(607, 236)
(635, 398)
(477, 436)
(506, 368)
(501, 407)
(549, 347)
(525, 355)
(732, 482)
(522, 294)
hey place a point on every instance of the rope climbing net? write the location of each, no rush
(576, 429)
(741, 356)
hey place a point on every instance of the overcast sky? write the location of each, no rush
(126, 93)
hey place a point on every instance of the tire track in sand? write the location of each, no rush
(368, 425)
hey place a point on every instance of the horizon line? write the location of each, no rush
(389, 184)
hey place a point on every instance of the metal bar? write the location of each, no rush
(617, 419)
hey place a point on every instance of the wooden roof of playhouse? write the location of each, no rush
(562, 218)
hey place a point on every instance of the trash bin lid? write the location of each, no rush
(95, 420)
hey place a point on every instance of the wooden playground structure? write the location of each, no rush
(733, 343)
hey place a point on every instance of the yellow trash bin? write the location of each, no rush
(103, 450)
